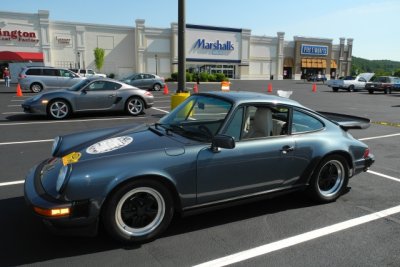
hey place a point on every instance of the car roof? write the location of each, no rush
(241, 97)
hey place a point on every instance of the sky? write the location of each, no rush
(374, 25)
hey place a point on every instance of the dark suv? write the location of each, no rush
(145, 81)
(381, 83)
(37, 79)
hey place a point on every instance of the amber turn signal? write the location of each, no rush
(52, 212)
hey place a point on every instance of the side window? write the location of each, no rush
(50, 72)
(139, 77)
(65, 73)
(103, 86)
(148, 76)
(265, 121)
(235, 126)
(111, 86)
(90, 72)
(33, 72)
(362, 80)
(305, 123)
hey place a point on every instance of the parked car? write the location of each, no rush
(214, 149)
(383, 84)
(145, 81)
(37, 79)
(88, 73)
(92, 94)
(350, 83)
(316, 78)
(396, 84)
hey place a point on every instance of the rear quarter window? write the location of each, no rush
(303, 122)
(33, 72)
(50, 72)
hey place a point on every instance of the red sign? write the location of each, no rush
(18, 35)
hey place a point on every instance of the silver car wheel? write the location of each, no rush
(135, 106)
(36, 88)
(157, 87)
(140, 211)
(331, 178)
(59, 110)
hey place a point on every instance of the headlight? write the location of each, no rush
(62, 177)
(56, 145)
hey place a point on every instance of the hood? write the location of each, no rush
(367, 76)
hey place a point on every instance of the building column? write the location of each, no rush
(80, 48)
(45, 36)
(139, 44)
(280, 56)
(174, 47)
(339, 70)
(349, 55)
(243, 68)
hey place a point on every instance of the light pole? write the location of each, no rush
(79, 59)
(181, 47)
(156, 63)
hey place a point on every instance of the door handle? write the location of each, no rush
(286, 149)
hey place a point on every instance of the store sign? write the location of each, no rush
(63, 40)
(18, 35)
(202, 44)
(315, 50)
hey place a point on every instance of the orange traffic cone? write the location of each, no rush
(19, 91)
(270, 88)
(166, 92)
(314, 87)
(195, 89)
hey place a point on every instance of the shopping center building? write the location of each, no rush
(35, 39)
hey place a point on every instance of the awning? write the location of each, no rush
(288, 62)
(317, 63)
(21, 56)
(333, 64)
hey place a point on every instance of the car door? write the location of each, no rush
(360, 84)
(257, 164)
(98, 95)
(51, 78)
(138, 81)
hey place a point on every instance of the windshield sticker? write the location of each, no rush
(109, 145)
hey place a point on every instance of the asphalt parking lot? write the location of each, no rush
(362, 228)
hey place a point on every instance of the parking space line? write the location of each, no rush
(9, 113)
(377, 137)
(14, 105)
(17, 100)
(48, 122)
(384, 175)
(26, 142)
(160, 110)
(12, 183)
(301, 238)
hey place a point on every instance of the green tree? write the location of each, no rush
(99, 58)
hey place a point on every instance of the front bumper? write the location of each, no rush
(78, 222)
(34, 108)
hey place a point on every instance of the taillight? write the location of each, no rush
(148, 93)
(366, 153)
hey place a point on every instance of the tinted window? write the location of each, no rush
(305, 123)
(148, 76)
(65, 73)
(235, 126)
(33, 72)
(103, 85)
(50, 72)
(90, 71)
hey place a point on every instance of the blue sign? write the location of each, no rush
(201, 43)
(315, 50)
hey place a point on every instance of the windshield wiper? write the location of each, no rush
(170, 128)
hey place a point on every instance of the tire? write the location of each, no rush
(329, 179)
(351, 88)
(385, 91)
(157, 87)
(36, 87)
(59, 109)
(370, 91)
(134, 106)
(335, 89)
(138, 211)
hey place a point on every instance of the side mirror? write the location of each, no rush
(84, 91)
(222, 141)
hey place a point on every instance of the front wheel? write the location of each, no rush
(329, 179)
(335, 89)
(58, 109)
(134, 106)
(351, 88)
(157, 87)
(138, 211)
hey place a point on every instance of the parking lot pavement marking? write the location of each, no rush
(378, 137)
(162, 101)
(294, 240)
(26, 142)
(47, 122)
(160, 110)
(17, 100)
(13, 105)
(9, 113)
(12, 183)
(384, 175)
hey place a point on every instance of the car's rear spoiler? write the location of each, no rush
(347, 122)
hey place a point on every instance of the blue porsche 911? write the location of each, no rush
(214, 149)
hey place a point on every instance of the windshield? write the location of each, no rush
(79, 85)
(198, 117)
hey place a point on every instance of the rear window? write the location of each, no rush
(33, 72)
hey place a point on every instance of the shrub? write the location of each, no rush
(174, 76)
(189, 77)
(203, 77)
(212, 77)
(220, 77)
(111, 75)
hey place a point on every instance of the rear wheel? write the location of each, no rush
(138, 211)
(36, 87)
(329, 179)
(371, 91)
(58, 109)
(134, 106)
(157, 87)
(335, 89)
(351, 88)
